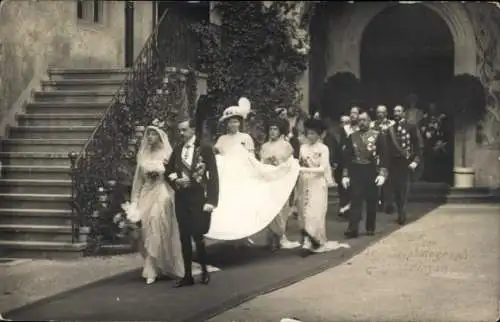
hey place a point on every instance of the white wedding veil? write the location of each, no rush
(146, 155)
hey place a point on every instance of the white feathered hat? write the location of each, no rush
(241, 110)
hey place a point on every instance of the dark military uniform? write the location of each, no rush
(383, 126)
(404, 147)
(364, 160)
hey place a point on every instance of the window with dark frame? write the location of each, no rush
(90, 11)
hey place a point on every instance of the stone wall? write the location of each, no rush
(37, 34)
(485, 18)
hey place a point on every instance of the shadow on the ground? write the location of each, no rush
(245, 273)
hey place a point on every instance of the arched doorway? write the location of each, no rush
(406, 49)
(409, 50)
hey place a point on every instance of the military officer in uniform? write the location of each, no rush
(365, 170)
(382, 125)
(405, 155)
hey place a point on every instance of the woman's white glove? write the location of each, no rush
(379, 181)
(346, 182)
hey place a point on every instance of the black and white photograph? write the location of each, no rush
(241, 161)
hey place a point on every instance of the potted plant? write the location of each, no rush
(464, 99)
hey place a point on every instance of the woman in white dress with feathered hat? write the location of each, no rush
(251, 193)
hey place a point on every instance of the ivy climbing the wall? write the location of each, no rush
(259, 51)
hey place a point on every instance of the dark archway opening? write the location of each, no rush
(409, 50)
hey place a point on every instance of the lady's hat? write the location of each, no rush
(241, 110)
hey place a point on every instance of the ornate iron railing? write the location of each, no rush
(161, 84)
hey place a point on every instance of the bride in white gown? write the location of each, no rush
(152, 203)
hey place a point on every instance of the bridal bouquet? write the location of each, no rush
(133, 214)
(309, 161)
(128, 225)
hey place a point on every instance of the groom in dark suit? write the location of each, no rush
(192, 171)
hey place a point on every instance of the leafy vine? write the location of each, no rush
(486, 22)
(259, 51)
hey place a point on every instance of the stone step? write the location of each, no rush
(102, 85)
(421, 197)
(74, 96)
(66, 108)
(41, 233)
(59, 119)
(36, 172)
(43, 145)
(19, 216)
(92, 73)
(82, 132)
(33, 186)
(35, 158)
(475, 190)
(37, 249)
(35, 201)
(471, 198)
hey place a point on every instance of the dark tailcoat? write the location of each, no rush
(189, 201)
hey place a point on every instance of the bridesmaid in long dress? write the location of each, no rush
(277, 151)
(314, 180)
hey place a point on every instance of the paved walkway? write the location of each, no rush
(245, 273)
(443, 267)
(26, 281)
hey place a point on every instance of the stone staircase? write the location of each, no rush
(35, 189)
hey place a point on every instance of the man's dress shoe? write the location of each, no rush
(205, 278)
(351, 234)
(184, 282)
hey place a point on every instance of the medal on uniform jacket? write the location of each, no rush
(403, 142)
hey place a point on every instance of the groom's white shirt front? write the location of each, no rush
(188, 150)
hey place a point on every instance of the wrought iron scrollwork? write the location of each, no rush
(159, 85)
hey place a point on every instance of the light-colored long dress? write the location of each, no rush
(314, 180)
(227, 141)
(160, 240)
(251, 193)
(281, 151)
